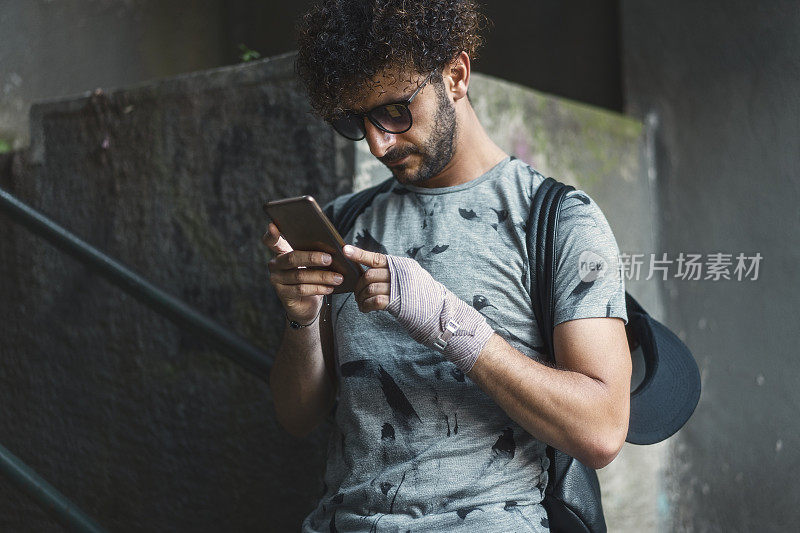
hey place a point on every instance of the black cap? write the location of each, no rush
(667, 396)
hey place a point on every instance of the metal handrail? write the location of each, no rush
(233, 346)
(56, 504)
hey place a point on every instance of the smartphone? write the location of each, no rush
(305, 227)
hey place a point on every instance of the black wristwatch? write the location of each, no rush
(297, 325)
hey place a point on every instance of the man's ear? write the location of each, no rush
(456, 75)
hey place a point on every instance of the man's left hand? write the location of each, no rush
(372, 290)
(432, 315)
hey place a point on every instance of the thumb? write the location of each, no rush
(275, 241)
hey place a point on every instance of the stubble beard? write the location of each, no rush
(437, 151)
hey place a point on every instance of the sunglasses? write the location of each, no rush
(392, 118)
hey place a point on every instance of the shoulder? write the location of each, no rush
(580, 212)
(526, 177)
(334, 206)
(576, 204)
(589, 280)
(577, 207)
(357, 201)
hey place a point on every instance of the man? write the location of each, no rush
(444, 404)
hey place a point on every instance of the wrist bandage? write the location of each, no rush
(434, 316)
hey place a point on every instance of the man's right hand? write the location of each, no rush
(299, 287)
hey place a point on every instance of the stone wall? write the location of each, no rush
(720, 83)
(140, 424)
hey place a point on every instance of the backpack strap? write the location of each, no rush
(346, 217)
(572, 496)
(541, 230)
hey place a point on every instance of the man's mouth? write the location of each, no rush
(396, 162)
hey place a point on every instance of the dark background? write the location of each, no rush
(54, 49)
(716, 85)
(566, 48)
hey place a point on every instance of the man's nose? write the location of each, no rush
(379, 141)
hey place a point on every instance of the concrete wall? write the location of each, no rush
(139, 423)
(720, 80)
(54, 49)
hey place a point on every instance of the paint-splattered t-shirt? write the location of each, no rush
(416, 445)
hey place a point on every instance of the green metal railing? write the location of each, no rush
(178, 312)
(43, 493)
(230, 344)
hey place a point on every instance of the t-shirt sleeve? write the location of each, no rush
(588, 282)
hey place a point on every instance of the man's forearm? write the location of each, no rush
(571, 411)
(301, 389)
(582, 411)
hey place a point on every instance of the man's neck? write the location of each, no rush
(474, 153)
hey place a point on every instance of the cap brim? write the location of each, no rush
(669, 393)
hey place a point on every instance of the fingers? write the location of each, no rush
(305, 276)
(293, 269)
(376, 276)
(376, 303)
(298, 284)
(300, 278)
(364, 257)
(297, 273)
(274, 241)
(301, 291)
(300, 259)
(373, 290)
(373, 302)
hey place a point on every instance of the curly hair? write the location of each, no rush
(344, 44)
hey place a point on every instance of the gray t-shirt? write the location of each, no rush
(416, 445)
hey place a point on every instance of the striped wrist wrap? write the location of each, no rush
(434, 316)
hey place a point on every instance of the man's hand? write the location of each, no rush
(432, 315)
(372, 290)
(299, 287)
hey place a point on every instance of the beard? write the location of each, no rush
(437, 151)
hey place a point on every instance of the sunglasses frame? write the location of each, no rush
(405, 103)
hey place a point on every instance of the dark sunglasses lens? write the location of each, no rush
(395, 118)
(351, 126)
